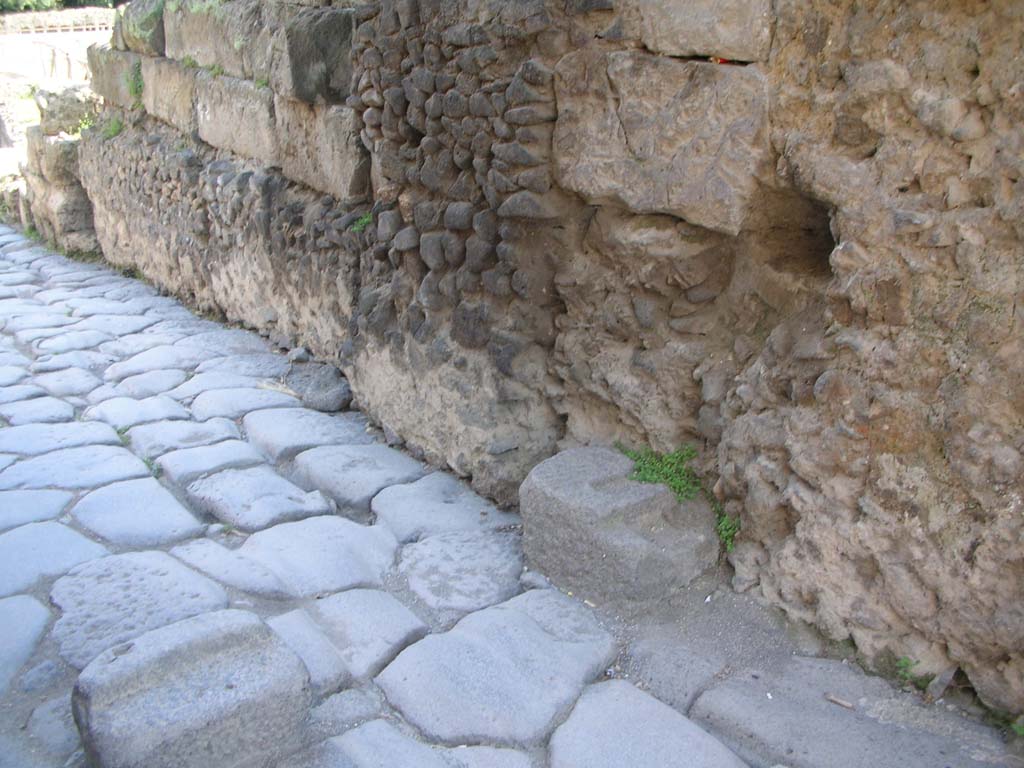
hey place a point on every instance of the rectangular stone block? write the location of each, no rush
(320, 147)
(313, 55)
(169, 92)
(111, 73)
(236, 115)
(738, 30)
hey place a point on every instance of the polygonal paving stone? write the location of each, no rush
(368, 627)
(83, 467)
(34, 439)
(230, 341)
(354, 474)
(254, 498)
(456, 573)
(70, 381)
(235, 403)
(41, 320)
(52, 727)
(6, 459)
(152, 440)
(232, 568)
(437, 503)
(502, 675)
(136, 513)
(136, 343)
(20, 507)
(156, 359)
(323, 554)
(207, 382)
(219, 689)
(125, 412)
(152, 383)
(39, 551)
(70, 341)
(117, 598)
(39, 410)
(614, 724)
(183, 466)
(264, 366)
(24, 620)
(83, 359)
(19, 392)
(29, 335)
(115, 325)
(281, 433)
(11, 374)
(327, 670)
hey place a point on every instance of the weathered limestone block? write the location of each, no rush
(662, 136)
(236, 115)
(739, 30)
(53, 158)
(216, 689)
(592, 530)
(319, 146)
(64, 111)
(170, 92)
(313, 55)
(142, 27)
(111, 72)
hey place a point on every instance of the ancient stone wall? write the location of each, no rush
(789, 232)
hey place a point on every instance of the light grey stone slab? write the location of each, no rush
(152, 383)
(232, 568)
(126, 412)
(254, 498)
(345, 710)
(489, 757)
(785, 717)
(52, 726)
(18, 392)
(26, 337)
(437, 503)
(456, 573)
(236, 403)
(70, 341)
(503, 675)
(183, 466)
(321, 555)
(136, 513)
(368, 627)
(219, 689)
(137, 343)
(115, 325)
(38, 410)
(24, 620)
(281, 433)
(34, 439)
(6, 459)
(40, 320)
(230, 341)
(87, 358)
(86, 307)
(158, 358)
(152, 440)
(264, 366)
(18, 277)
(206, 382)
(327, 670)
(20, 507)
(11, 374)
(70, 381)
(353, 474)
(615, 724)
(102, 393)
(117, 598)
(378, 743)
(14, 359)
(40, 551)
(85, 467)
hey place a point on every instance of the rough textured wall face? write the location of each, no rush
(587, 227)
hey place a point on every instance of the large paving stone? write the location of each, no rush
(353, 474)
(84, 467)
(115, 325)
(281, 433)
(34, 439)
(232, 568)
(156, 439)
(20, 392)
(183, 466)
(236, 403)
(323, 554)
(39, 551)
(126, 412)
(265, 366)
(159, 358)
(88, 358)
(206, 382)
(136, 513)
(453, 574)
(38, 410)
(215, 690)
(20, 507)
(786, 718)
(614, 724)
(503, 675)
(117, 598)
(152, 383)
(52, 727)
(70, 381)
(592, 530)
(71, 340)
(254, 498)
(437, 503)
(24, 620)
(327, 670)
(11, 374)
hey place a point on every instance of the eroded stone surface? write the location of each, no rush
(38, 410)
(231, 568)
(136, 513)
(127, 412)
(183, 466)
(152, 440)
(281, 433)
(34, 439)
(236, 403)
(254, 498)
(84, 467)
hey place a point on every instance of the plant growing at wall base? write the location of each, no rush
(361, 223)
(905, 672)
(113, 127)
(135, 83)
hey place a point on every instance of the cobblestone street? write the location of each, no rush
(227, 575)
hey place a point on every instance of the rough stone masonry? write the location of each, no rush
(788, 232)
